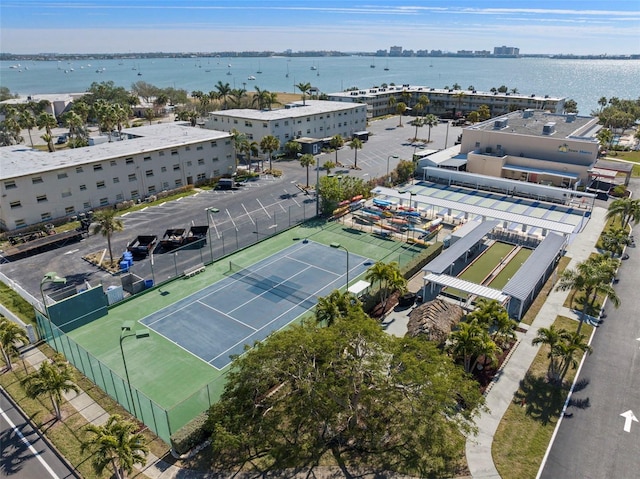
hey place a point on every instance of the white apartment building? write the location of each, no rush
(445, 102)
(310, 119)
(38, 186)
(533, 146)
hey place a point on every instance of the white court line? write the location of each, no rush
(224, 314)
(29, 445)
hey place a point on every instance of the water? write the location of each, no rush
(585, 81)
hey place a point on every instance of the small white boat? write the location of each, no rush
(251, 77)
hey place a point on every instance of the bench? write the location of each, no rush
(197, 269)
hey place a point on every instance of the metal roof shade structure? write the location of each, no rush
(525, 169)
(481, 211)
(467, 287)
(448, 257)
(523, 283)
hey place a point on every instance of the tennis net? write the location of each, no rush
(275, 285)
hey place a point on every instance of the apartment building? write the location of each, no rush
(38, 186)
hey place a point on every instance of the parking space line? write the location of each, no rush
(247, 212)
(265, 210)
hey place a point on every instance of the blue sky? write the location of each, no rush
(91, 26)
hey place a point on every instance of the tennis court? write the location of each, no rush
(250, 303)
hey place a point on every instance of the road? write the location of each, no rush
(597, 441)
(259, 208)
(24, 453)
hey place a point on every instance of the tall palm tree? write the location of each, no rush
(237, 95)
(573, 344)
(115, 444)
(336, 306)
(11, 335)
(259, 98)
(469, 342)
(306, 161)
(52, 378)
(47, 121)
(418, 123)
(431, 121)
(107, 223)
(336, 143)
(268, 145)
(458, 96)
(552, 337)
(355, 144)
(400, 109)
(391, 103)
(223, 93)
(614, 240)
(423, 103)
(238, 139)
(28, 122)
(304, 88)
(626, 209)
(388, 277)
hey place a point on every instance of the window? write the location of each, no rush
(15, 204)
(10, 184)
(187, 148)
(116, 180)
(227, 142)
(97, 167)
(189, 163)
(202, 176)
(286, 123)
(148, 173)
(215, 159)
(62, 175)
(235, 122)
(69, 210)
(21, 223)
(201, 161)
(79, 169)
(178, 183)
(83, 187)
(100, 184)
(41, 198)
(308, 131)
(216, 172)
(119, 197)
(86, 205)
(165, 185)
(176, 167)
(248, 123)
(308, 119)
(265, 125)
(147, 158)
(163, 169)
(161, 153)
(45, 216)
(214, 144)
(199, 148)
(134, 194)
(36, 179)
(113, 163)
(66, 192)
(286, 135)
(132, 177)
(104, 201)
(128, 161)
(477, 144)
(174, 152)
(152, 189)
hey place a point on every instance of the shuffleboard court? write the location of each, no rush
(250, 303)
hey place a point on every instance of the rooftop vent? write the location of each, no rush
(528, 113)
(500, 124)
(571, 117)
(549, 128)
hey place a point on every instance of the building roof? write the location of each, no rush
(467, 286)
(291, 110)
(524, 281)
(51, 97)
(614, 165)
(20, 160)
(449, 256)
(541, 123)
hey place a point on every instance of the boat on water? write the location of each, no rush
(313, 67)
(251, 77)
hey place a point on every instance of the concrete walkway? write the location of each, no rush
(479, 457)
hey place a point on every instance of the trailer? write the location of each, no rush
(42, 244)
(142, 245)
(197, 236)
(173, 238)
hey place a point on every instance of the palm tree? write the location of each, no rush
(614, 240)
(431, 121)
(418, 123)
(11, 335)
(552, 337)
(107, 223)
(328, 166)
(392, 102)
(52, 378)
(400, 109)
(238, 139)
(47, 121)
(602, 102)
(27, 121)
(306, 161)
(336, 306)
(223, 92)
(388, 277)
(423, 103)
(116, 444)
(336, 143)
(268, 145)
(494, 317)
(573, 343)
(259, 98)
(458, 96)
(237, 94)
(356, 144)
(626, 209)
(470, 342)
(304, 88)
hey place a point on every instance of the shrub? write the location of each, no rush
(190, 435)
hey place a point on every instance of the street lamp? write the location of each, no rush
(50, 277)
(395, 157)
(209, 211)
(338, 245)
(125, 332)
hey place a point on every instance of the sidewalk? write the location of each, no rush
(478, 448)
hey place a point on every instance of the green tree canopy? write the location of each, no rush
(349, 393)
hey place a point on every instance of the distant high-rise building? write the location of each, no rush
(395, 51)
(503, 50)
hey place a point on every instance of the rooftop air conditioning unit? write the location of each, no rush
(549, 128)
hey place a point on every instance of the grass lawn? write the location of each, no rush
(528, 424)
(14, 302)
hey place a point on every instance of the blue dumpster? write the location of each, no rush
(148, 283)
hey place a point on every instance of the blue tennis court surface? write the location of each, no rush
(245, 307)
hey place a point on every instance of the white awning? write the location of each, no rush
(359, 287)
(602, 173)
(467, 287)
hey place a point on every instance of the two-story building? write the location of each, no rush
(38, 186)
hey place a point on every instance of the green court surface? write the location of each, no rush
(168, 383)
(510, 269)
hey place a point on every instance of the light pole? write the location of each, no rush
(446, 138)
(338, 245)
(125, 332)
(395, 157)
(50, 277)
(209, 211)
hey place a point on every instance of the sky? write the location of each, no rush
(580, 27)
